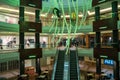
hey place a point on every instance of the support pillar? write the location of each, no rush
(116, 70)
(22, 67)
(37, 42)
(21, 40)
(116, 63)
(98, 60)
(115, 40)
(98, 42)
(38, 69)
(98, 66)
(115, 9)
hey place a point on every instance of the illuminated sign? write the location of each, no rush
(103, 56)
(108, 62)
(32, 56)
(102, 27)
(31, 29)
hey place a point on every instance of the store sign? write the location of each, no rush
(108, 62)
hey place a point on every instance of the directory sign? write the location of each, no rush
(108, 62)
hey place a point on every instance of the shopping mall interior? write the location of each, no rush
(59, 39)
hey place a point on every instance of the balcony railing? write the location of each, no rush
(16, 46)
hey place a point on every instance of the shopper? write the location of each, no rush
(1, 47)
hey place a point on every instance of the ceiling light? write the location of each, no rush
(8, 9)
(14, 10)
(44, 15)
(80, 15)
(102, 10)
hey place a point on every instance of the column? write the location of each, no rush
(115, 39)
(22, 66)
(116, 70)
(21, 40)
(38, 69)
(97, 13)
(98, 42)
(115, 9)
(97, 17)
(37, 42)
(37, 35)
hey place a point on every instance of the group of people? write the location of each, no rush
(29, 42)
(62, 47)
(11, 43)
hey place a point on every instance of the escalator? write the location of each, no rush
(74, 66)
(58, 71)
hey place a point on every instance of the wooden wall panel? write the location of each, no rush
(31, 3)
(30, 27)
(25, 53)
(111, 53)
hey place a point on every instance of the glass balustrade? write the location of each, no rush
(16, 46)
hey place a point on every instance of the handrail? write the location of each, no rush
(76, 54)
(69, 65)
(66, 68)
(55, 63)
(17, 46)
(78, 69)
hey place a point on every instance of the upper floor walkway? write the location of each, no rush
(12, 53)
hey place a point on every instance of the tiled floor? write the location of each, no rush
(9, 74)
